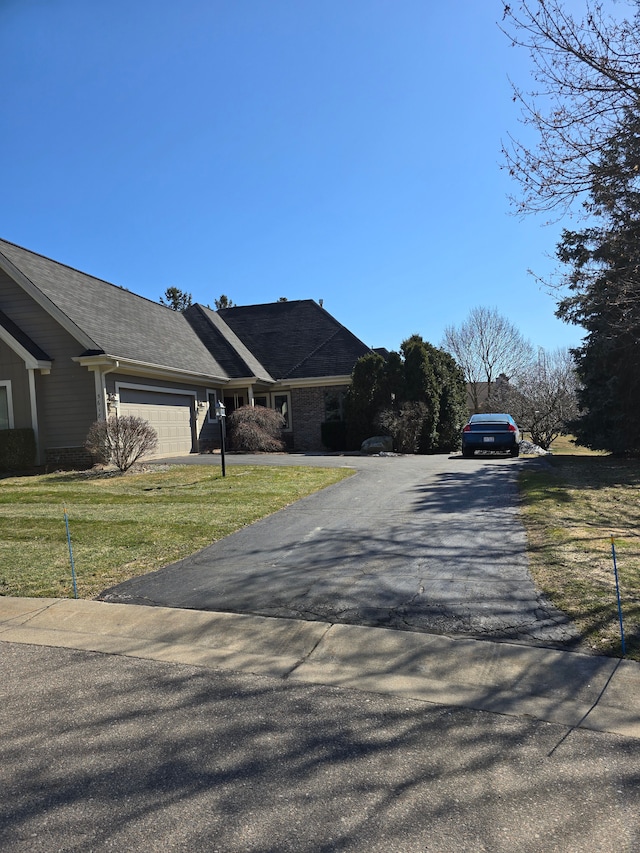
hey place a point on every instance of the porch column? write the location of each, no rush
(101, 395)
(34, 412)
(99, 373)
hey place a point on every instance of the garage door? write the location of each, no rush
(169, 414)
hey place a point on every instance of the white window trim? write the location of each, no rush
(270, 396)
(6, 383)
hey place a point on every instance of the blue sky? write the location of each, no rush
(344, 150)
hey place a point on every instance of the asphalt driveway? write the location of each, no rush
(420, 543)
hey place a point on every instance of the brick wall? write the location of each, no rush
(68, 458)
(308, 411)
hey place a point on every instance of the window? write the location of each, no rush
(282, 404)
(233, 402)
(334, 405)
(6, 405)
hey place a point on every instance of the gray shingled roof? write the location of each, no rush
(120, 323)
(273, 341)
(225, 346)
(296, 339)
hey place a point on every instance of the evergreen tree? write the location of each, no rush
(418, 396)
(422, 387)
(453, 410)
(176, 299)
(367, 395)
(223, 302)
(604, 298)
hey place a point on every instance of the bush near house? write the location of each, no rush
(121, 441)
(255, 429)
(334, 435)
(17, 449)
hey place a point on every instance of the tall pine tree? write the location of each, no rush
(604, 298)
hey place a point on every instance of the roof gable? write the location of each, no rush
(295, 339)
(225, 346)
(110, 319)
(289, 340)
(22, 339)
(17, 340)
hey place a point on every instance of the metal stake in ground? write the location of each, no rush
(615, 572)
(73, 567)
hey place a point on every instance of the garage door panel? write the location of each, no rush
(169, 414)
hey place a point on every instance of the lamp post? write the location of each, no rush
(220, 414)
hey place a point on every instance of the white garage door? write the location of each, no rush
(168, 413)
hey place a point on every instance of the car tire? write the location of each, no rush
(467, 452)
(515, 451)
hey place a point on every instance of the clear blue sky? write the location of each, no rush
(347, 150)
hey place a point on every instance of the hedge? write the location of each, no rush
(17, 449)
(334, 435)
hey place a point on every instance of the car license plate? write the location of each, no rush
(487, 438)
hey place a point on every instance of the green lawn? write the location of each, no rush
(572, 504)
(126, 525)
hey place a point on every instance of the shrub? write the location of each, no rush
(121, 441)
(256, 428)
(17, 449)
(406, 427)
(334, 435)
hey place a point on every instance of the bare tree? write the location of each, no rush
(487, 346)
(586, 81)
(121, 441)
(543, 399)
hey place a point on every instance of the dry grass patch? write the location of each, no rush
(127, 525)
(572, 506)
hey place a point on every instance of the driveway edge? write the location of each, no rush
(567, 688)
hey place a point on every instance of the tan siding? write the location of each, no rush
(12, 368)
(66, 397)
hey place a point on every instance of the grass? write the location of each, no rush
(123, 526)
(573, 503)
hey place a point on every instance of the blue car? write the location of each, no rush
(491, 432)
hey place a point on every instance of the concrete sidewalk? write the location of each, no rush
(576, 690)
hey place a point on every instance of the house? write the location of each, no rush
(75, 349)
(485, 397)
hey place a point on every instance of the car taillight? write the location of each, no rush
(467, 428)
(511, 427)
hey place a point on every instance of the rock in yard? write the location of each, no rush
(377, 444)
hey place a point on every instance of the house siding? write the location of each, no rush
(308, 414)
(66, 396)
(12, 368)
